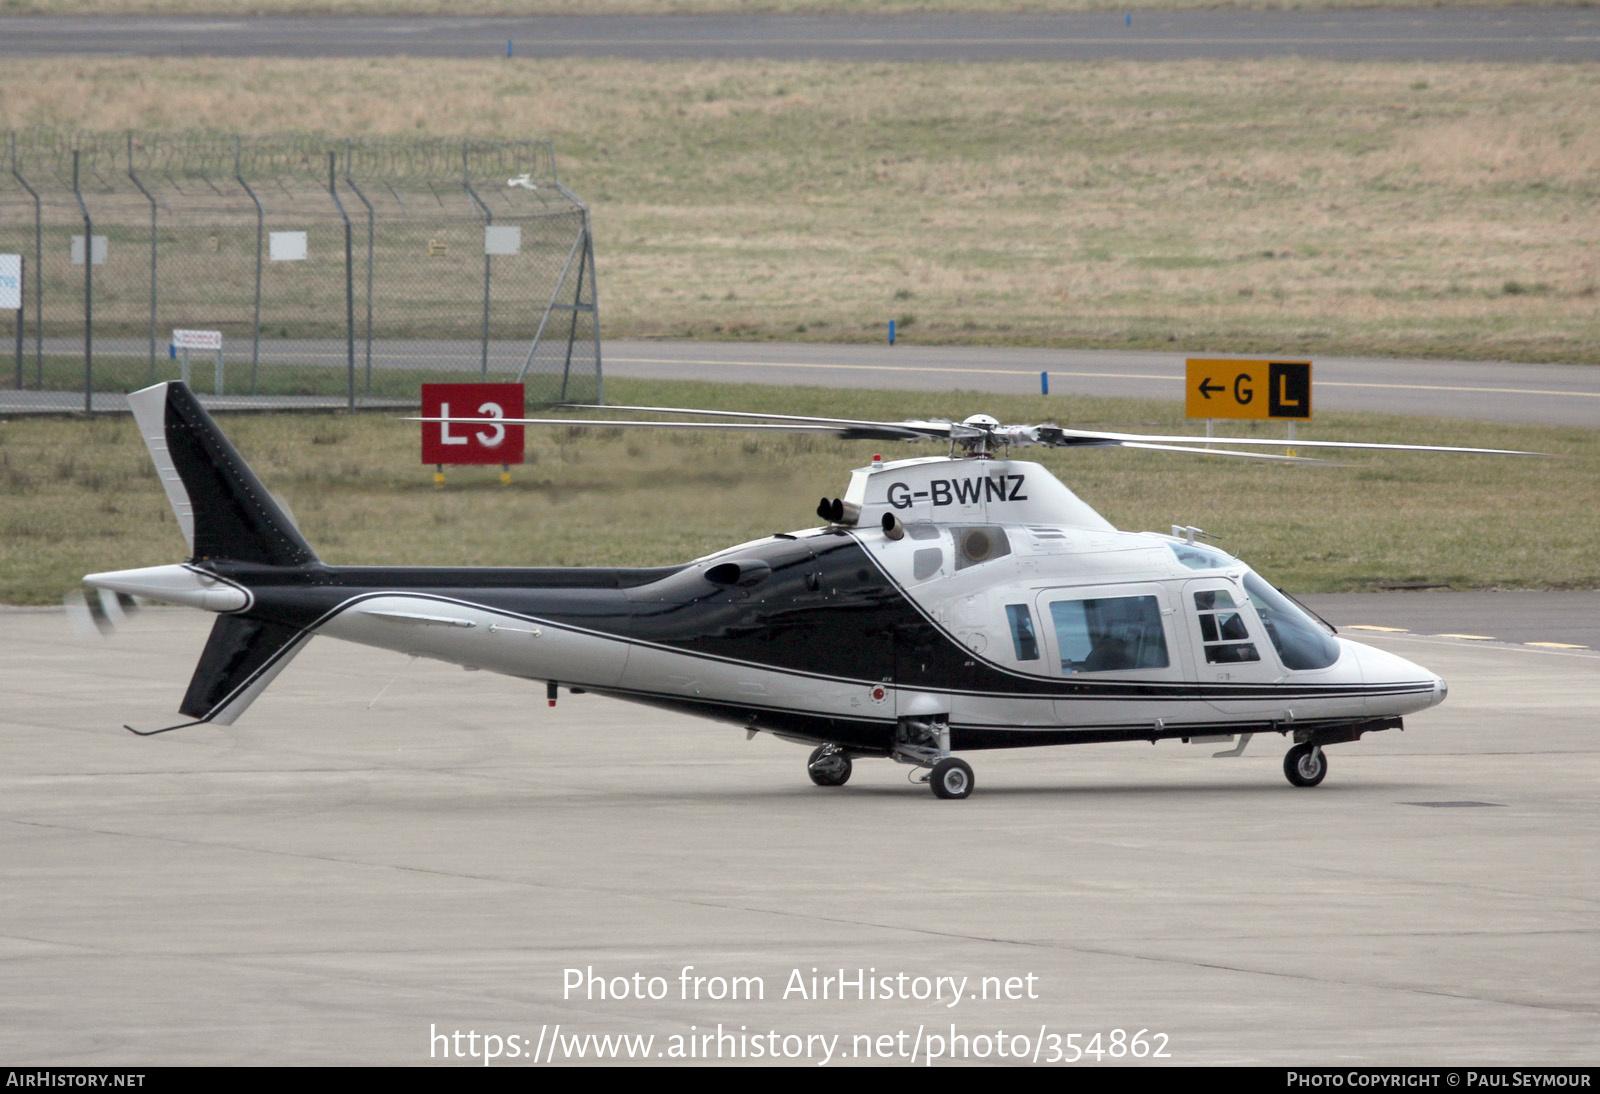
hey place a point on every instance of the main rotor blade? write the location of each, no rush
(700, 413)
(931, 429)
(866, 431)
(1068, 437)
(1218, 452)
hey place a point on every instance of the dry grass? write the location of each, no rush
(80, 496)
(682, 7)
(1286, 206)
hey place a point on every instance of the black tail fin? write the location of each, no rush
(226, 515)
(241, 658)
(223, 509)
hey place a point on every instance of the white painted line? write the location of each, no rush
(1503, 647)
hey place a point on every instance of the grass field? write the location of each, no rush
(80, 496)
(1286, 206)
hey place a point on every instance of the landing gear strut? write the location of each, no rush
(1305, 764)
(927, 744)
(829, 765)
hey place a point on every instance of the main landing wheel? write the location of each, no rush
(829, 766)
(951, 778)
(1305, 765)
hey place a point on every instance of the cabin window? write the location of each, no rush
(1299, 641)
(926, 562)
(1023, 641)
(1223, 633)
(1109, 634)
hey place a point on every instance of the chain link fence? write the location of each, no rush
(338, 273)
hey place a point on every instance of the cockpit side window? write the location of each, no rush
(1223, 633)
(1109, 634)
(1023, 641)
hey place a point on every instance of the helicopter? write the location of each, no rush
(948, 603)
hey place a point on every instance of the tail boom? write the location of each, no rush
(190, 586)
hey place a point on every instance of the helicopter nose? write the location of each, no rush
(1380, 667)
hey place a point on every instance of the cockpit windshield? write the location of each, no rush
(1300, 642)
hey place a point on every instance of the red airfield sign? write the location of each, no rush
(462, 442)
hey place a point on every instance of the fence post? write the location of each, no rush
(151, 199)
(572, 326)
(594, 306)
(555, 296)
(370, 231)
(261, 216)
(577, 297)
(349, 290)
(38, 271)
(488, 259)
(88, 291)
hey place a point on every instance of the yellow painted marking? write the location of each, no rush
(1473, 637)
(1053, 39)
(1367, 627)
(1556, 645)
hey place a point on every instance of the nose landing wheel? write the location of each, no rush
(1305, 765)
(951, 778)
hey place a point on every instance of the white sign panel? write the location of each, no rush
(287, 247)
(98, 253)
(197, 339)
(502, 239)
(10, 282)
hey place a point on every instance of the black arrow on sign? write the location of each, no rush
(1207, 387)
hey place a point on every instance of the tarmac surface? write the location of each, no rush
(1530, 394)
(1427, 34)
(339, 878)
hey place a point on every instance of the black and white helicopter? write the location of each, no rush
(948, 604)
